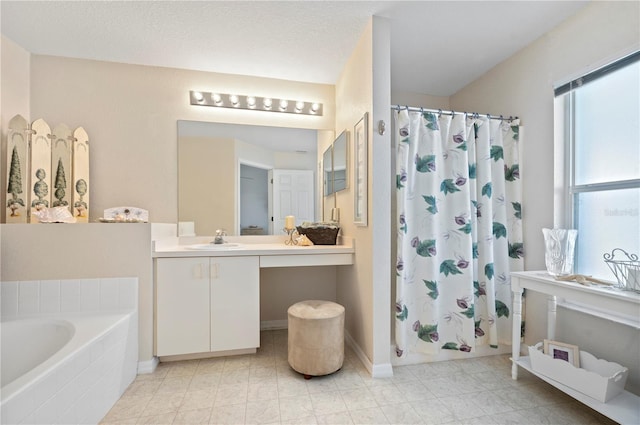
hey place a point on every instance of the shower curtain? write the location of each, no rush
(459, 230)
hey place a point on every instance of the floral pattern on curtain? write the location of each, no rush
(459, 230)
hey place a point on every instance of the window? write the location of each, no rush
(600, 131)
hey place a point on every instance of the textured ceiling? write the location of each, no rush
(437, 46)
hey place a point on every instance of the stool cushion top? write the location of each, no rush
(316, 309)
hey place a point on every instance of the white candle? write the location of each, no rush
(289, 222)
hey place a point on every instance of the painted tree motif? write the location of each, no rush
(60, 185)
(41, 189)
(80, 205)
(15, 183)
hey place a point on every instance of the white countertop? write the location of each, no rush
(250, 245)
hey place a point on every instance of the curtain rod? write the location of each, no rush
(452, 113)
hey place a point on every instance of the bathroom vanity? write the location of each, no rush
(207, 297)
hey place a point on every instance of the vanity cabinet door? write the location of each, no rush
(235, 303)
(182, 306)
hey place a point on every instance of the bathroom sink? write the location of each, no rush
(214, 247)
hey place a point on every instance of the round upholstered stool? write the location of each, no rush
(316, 337)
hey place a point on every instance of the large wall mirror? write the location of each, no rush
(225, 172)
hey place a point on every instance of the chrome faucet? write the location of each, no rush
(219, 239)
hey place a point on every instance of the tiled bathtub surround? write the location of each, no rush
(82, 381)
(50, 297)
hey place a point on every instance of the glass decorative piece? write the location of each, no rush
(559, 250)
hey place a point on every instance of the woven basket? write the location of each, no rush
(319, 235)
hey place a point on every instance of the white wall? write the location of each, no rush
(364, 289)
(417, 99)
(130, 113)
(381, 180)
(15, 68)
(523, 85)
(84, 251)
(281, 287)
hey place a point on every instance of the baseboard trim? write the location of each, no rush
(207, 355)
(148, 366)
(384, 370)
(272, 325)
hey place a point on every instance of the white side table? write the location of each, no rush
(624, 408)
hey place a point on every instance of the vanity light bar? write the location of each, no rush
(235, 101)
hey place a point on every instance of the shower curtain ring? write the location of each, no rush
(439, 113)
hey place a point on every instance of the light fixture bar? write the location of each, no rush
(256, 103)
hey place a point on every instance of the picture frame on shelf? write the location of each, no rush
(562, 351)
(360, 143)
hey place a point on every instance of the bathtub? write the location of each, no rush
(66, 369)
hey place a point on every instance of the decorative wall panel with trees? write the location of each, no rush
(46, 169)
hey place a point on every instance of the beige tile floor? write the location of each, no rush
(263, 389)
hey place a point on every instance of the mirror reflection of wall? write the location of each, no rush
(210, 160)
(340, 161)
(335, 165)
(327, 171)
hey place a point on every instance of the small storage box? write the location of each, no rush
(597, 378)
(320, 235)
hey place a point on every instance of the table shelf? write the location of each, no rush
(623, 408)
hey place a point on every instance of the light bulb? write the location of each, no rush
(283, 104)
(198, 96)
(267, 102)
(299, 106)
(251, 101)
(216, 98)
(315, 107)
(233, 99)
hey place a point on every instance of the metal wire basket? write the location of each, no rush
(626, 271)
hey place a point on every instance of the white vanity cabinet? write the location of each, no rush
(206, 304)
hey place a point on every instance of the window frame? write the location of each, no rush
(565, 161)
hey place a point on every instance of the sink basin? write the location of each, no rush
(214, 247)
